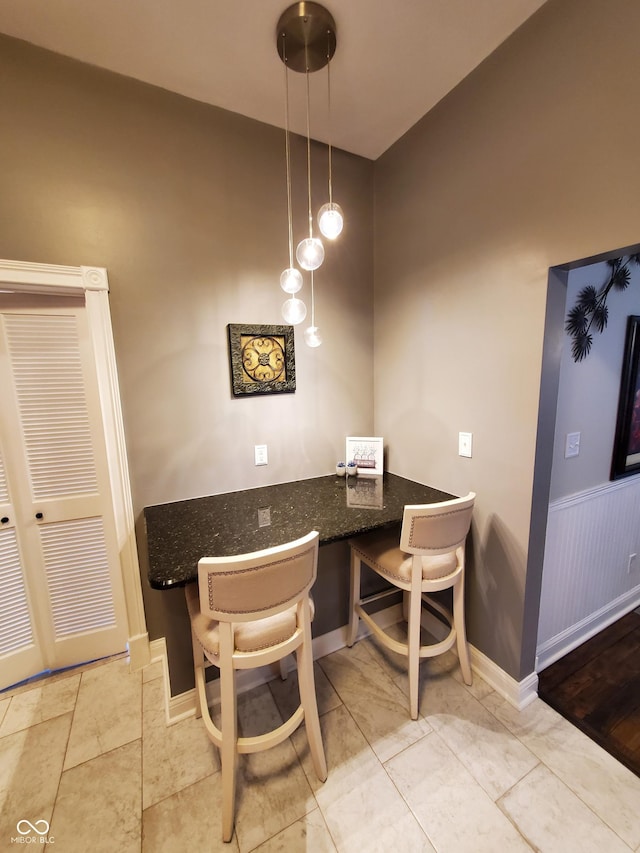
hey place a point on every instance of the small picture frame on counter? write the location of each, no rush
(367, 452)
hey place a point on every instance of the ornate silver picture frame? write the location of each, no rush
(262, 359)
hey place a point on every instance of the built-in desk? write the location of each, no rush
(180, 533)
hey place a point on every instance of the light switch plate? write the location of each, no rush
(261, 456)
(572, 445)
(465, 440)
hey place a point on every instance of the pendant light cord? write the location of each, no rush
(329, 115)
(309, 158)
(313, 303)
(287, 149)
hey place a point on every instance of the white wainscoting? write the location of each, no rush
(586, 584)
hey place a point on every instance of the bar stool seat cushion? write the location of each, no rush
(382, 553)
(248, 636)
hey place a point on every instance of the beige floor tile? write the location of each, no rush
(108, 711)
(310, 833)
(606, 786)
(432, 670)
(188, 820)
(30, 766)
(4, 707)
(362, 808)
(154, 670)
(349, 756)
(436, 793)
(490, 752)
(47, 700)
(173, 757)
(357, 822)
(396, 664)
(272, 791)
(378, 707)
(98, 806)
(478, 687)
(287, 697)
(560, 821)
(453, 809)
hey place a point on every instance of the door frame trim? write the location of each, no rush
(92, 284)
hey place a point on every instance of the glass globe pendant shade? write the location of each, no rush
(330, 220)
(291, 280)
(294, 311)
(310, 253)
(312, 336)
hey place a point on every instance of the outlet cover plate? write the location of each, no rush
(261, 456)
(465, 441)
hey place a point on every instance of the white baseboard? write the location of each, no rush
(177, 708)
(139, 652)
(572, 637)
(517, 693)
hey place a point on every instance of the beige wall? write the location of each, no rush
(185, 205)
(531, 162)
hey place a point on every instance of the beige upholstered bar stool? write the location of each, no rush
(428, 558)
(253, 610)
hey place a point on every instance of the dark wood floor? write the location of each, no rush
(597, 688)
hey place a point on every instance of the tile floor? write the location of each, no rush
(89, 752)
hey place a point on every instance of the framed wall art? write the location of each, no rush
(626, 448)
(262, 359)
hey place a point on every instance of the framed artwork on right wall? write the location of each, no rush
(626, 447)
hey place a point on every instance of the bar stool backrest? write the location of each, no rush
(254, 586)
(437, 528)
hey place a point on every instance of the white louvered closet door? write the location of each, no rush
(57, 476)
(20, 651)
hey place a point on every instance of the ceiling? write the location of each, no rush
(395, 59)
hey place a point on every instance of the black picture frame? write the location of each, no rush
(262, 359)
(626, 447)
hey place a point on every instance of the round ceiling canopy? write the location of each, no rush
(306, 37)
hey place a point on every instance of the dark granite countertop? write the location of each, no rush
(180, 533)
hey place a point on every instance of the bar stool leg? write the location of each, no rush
(306, 685)
(354, 598)
(229, 747)
(413, 642)
(461, 634)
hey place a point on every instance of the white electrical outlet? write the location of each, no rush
(465, 440)
(572, 445)
(261, 456)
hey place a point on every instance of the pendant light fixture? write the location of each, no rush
(291, 278)
(310, 251)
(294, 311)
(306, 42)
(330, 217)
(312, 336)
